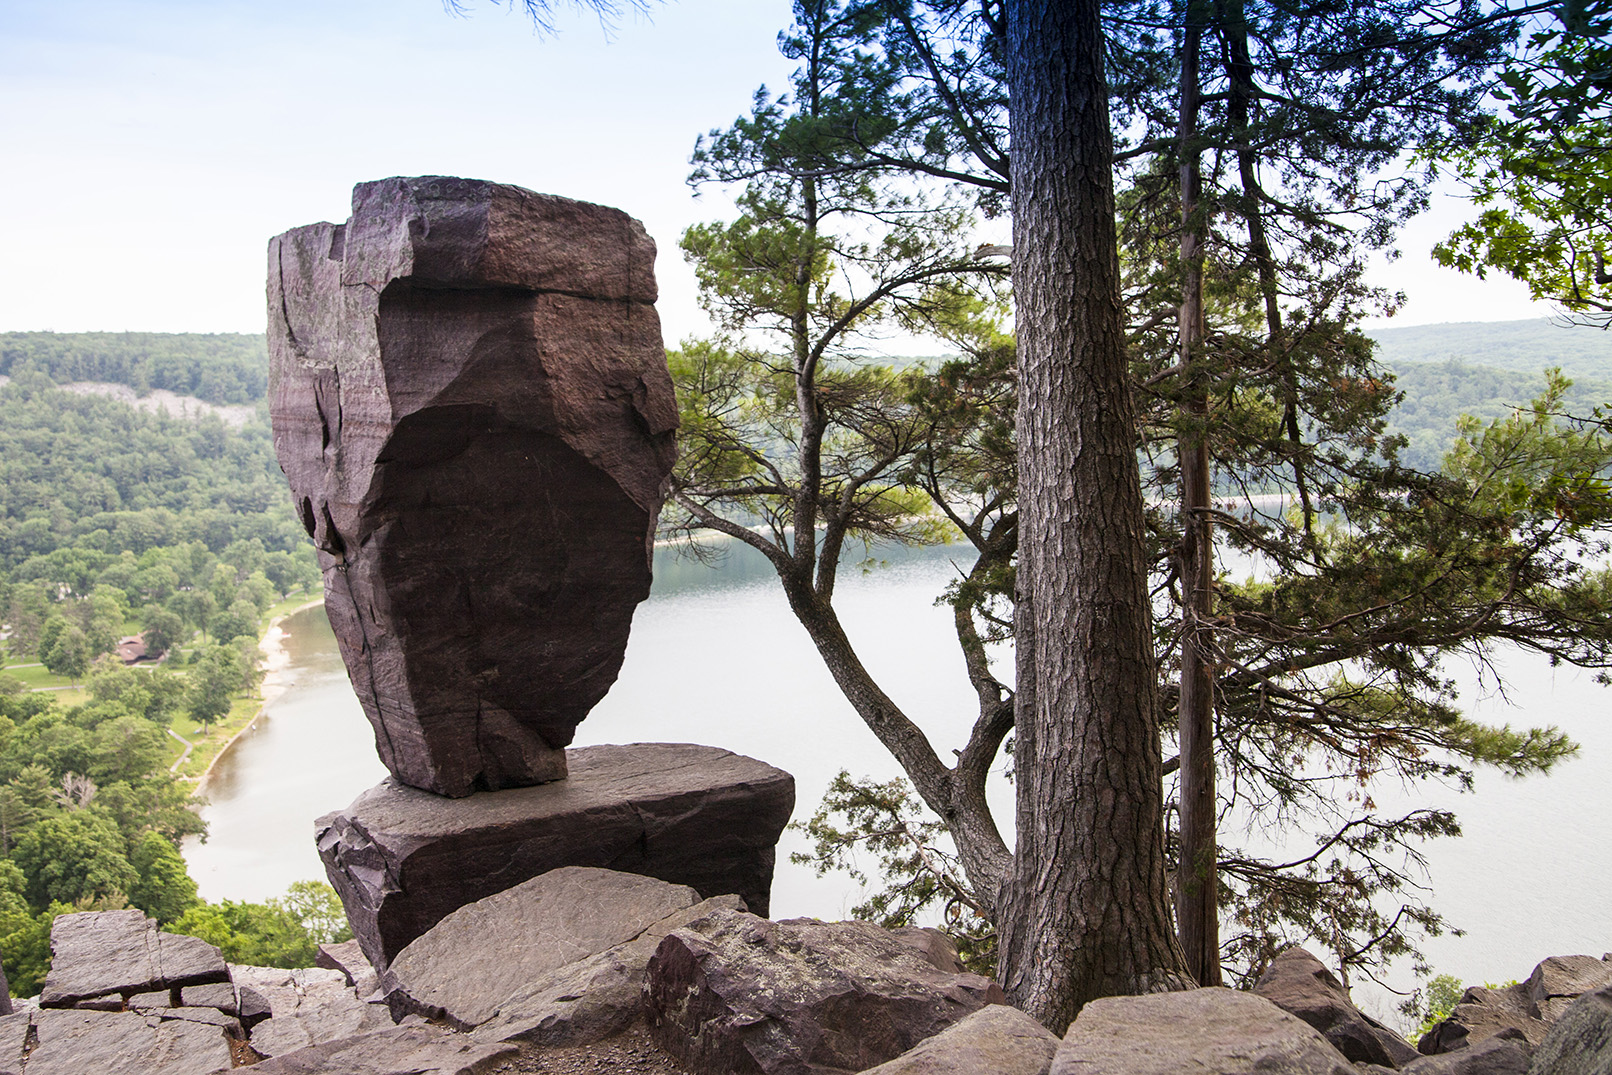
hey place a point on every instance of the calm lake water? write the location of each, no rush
(716, 657)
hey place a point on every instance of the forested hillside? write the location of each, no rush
(221, 368)
(1531, 346)
(115, 521)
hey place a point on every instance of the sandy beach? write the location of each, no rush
(276, 678)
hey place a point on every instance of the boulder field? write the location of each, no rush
(589, 970)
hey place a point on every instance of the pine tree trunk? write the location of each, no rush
(1196, 907)
(1088, 913)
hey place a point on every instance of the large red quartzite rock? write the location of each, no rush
(470, 399)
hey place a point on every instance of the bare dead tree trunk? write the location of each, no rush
(1196, 907)
(1089, 914)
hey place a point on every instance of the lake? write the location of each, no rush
(716, 657)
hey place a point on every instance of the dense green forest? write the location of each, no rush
(222, 368)
(113, 522)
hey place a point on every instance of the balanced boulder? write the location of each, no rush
(471, 402)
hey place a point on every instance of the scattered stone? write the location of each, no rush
(1512, 998)
(1505, 1053)
(595, 998)
(996, 1039)
(1468, 1024)
(1581, 1041)
(535, 928)
(253, 1007)
(1212, 1031)
(403, 859)
(1560, 980)
(220, 995)
(97, 954)
(78, 1042)
(210, 1016)
(13, 1041)
(348, 957)
(732, 992)
(1301, 985)
(308, 1007)
(160, 998)
(471, 402)
(403, 1050)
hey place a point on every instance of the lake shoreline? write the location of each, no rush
(276, 661)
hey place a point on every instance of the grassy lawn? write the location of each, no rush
(206, 742)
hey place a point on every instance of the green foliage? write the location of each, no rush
(163, 889)
(73, 856)
(278, 933)
(218, 673)
(919, 877)
(1443, 993)
(1543, 172)
(220, 368)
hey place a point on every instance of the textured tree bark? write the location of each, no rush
(1089, 913)
(1197, 910)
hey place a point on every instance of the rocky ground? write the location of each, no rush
(630, 1053)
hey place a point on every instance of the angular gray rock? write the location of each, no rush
(220, 995)
(78, 1042)
(116, 954)
(1301, 985)
(13, 1041)
(348, 957)
(998, 1039)
(1581, 1041)
(308, 1007)
(471, 403)
(403, 859)
(1469, 1024)
(530, 930)
(410, 1050)
(1560, 980)
(595, 998)
(1498, 1055)
(732, 992)
(1211, 1031)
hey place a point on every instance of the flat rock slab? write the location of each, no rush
(592, 999)
(411, 1050)
(88, 1043)
(104, 954)
(402, 859)
(996, 1039)
(309, 1006)
(1211, 1031)
(732, 992)
(471, 403)
(1301, 985)
(463, 968)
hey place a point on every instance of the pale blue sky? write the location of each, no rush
(151, 148)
